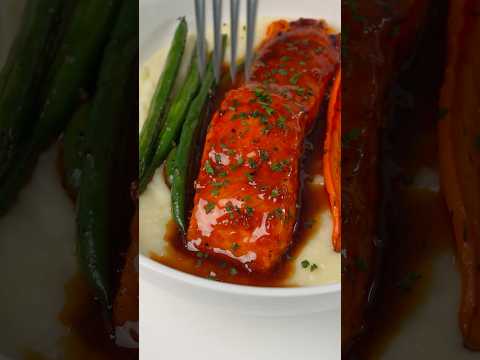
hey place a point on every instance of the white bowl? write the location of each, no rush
(157, 19)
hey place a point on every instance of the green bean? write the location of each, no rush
(77, 58)
(74, 143)
(158, 105)
(174, 121)
(170, 166)
(26, 68)
(186, 144)
(94, 205)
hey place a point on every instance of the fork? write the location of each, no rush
(252, 6)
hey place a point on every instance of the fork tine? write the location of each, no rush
(234, 13)
(252, 6)
(217, 31)
(200, 22)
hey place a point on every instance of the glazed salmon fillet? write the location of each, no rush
(245, 205)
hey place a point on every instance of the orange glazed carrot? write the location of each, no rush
(459, 155)
(332, 159)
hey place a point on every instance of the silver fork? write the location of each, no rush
(252, 6)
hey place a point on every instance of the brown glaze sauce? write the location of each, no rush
(314, 201)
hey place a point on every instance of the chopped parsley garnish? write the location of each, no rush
(263, 155)
(278, 213)
(218, 159)
(313, 267)
(241, 115)
(285, 58)
(235, 104)
(319, 49)
(230, 209)
(235, 246)
(249, 210)
(283, 72)
(279, 165)
(208, 209)
(222, 173)
(262, 96)
(288, 108)
(252, 163)
(212, 276)
(267, 129)
(233, 271)
(240, 160)
(275, 193)
(215, 192)
(263, 119)
(300, 91)
(267, 109)
(294, 79)
(305, 264)
(250, 177)
(208, 168)
(281, 122)
(302, 63)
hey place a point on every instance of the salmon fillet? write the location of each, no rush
(245, 205)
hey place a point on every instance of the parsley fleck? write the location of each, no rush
(275, 193)
(208, 208)
(305, 264)
(294, 79)
(283, 72)
(281, 122)
(218, 159)
(313, 267)
(252, 163)
(250, 177)
(279, 165)
(208, 168)
(268, 109)
(235, 246)
(285, 58)
(233, 271)
(249, 210)
(263, 155)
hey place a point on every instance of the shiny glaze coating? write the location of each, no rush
(245, 206)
